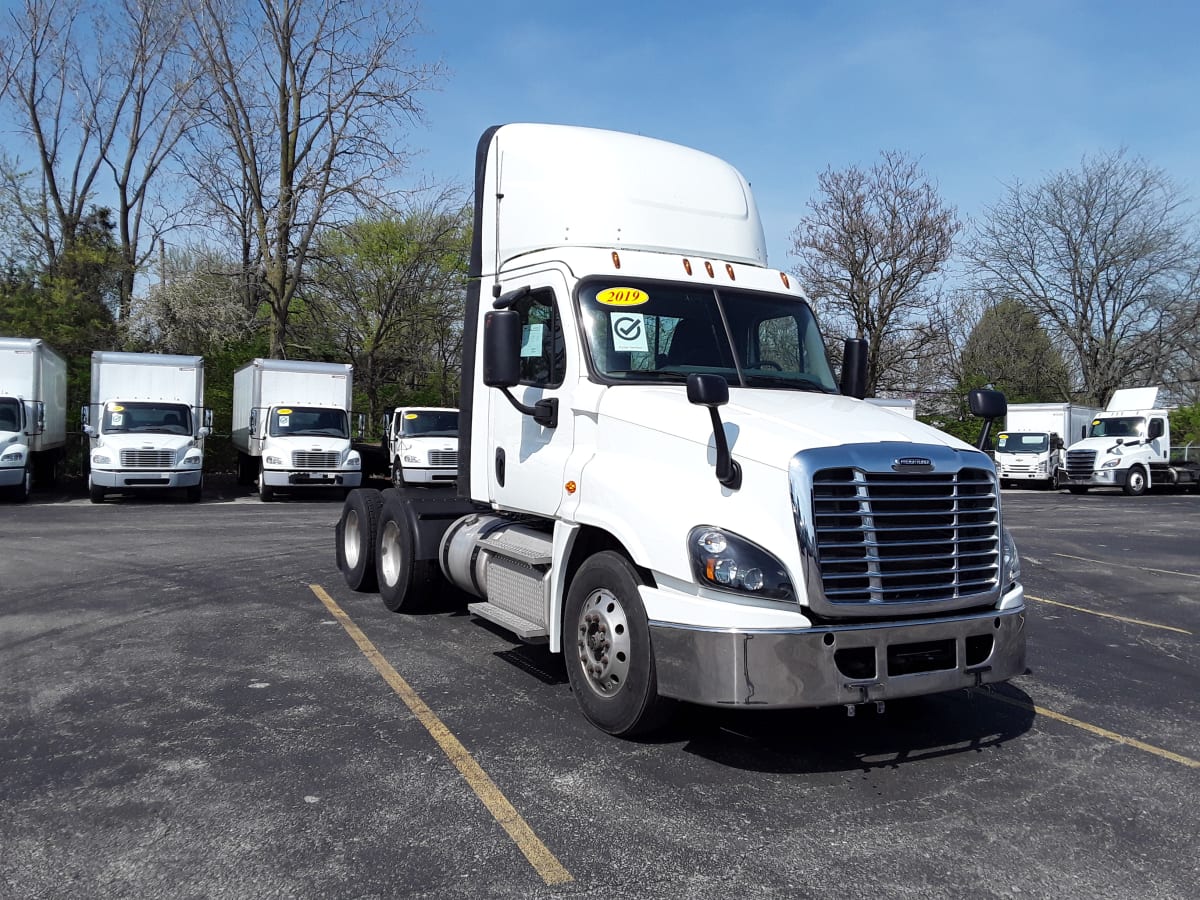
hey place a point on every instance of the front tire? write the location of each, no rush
(397, 473)
(193, 492)
(95, 491)
(406, 584)
(356, 536)
(25, 488)
(606, 645)
(266, 493)
(1137, 483)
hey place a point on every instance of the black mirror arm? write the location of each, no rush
(544, 412)
(729, 473)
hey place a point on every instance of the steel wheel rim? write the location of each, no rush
(602, 640)
(390, 554)
(350, 538)
(1136, 480)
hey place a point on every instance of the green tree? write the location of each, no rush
(1009, 349)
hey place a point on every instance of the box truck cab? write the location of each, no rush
(1032, 448)
(146, 424)
(421, 443)
(661, 477)
(1129, 447)
(291, 426)
(33, 415)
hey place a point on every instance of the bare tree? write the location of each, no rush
(94, 87)
(1107, 258)
(868, 251)
(304, 101)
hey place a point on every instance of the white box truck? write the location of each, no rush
(146, 423)
(421, 443)
(660, 476)
(291, 425)
(1128, 446)
(1031, 449)
(33, 415)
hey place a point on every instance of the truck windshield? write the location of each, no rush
(641, 331)
(1022, 443)
(309, 420)
(146, 417)
(1125, 426)
(10, 414)
(429, 423)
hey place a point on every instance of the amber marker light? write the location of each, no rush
(729, 272)
(783, 277)
(687, 266)
(708, 268)
(571, 486)
(616, 260)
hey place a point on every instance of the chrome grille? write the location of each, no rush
(315, 459)
(1080, 463)
(888, 537)
(147, 459)
(448, 458)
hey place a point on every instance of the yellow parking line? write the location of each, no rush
(543, 861)
(1106, 562)
(1108, 615)
(1097, 730)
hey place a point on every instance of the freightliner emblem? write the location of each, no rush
(912, 462)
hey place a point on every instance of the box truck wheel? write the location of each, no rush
(606, 645)
(193, 492)
(1077, 488)
(397, 473)
(266, 493)
(95, 491)
(356, 531)
(245, 468)
(405, 582)
(22, 491)
(1136, 484)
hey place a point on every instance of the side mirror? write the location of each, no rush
(89, 430)
(38, 425)
(989, 406)
(854, 368)
(208, 419)
(1156, 429)
(85, 417)
(203, 432)
(706, 389)
(361, 421)
(502, 348)
(254, 422)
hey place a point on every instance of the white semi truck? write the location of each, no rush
(661, 477)
(33, 415)
(1128, 446)
(146, 423)
(421, 443)
(1032, 447)
(291, 425)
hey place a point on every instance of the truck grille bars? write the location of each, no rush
(313, 459)
(1080, 463)
(443, 458)
(916, 531)
(147, 459)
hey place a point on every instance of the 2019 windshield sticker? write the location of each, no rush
(622, 296)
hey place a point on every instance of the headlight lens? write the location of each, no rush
(353, 461)
(1010, 560)
(100, 459)
(1112, 463)
(13, 456)
(729, 562)
(412, 458)
(192, 459)
(272, 460)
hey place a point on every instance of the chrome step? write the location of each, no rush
(522, 628)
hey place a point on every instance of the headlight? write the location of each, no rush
(412, 458)
(192, 459)
(100, 459)
(13, 456)
(1112, 463)
(1010, 560)
(353, 461)
(272, 461)
(728, 562)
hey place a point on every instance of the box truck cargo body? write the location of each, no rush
(660, 476)
(33, 414)
(291, 425)
(1032, 448)
(146, 423)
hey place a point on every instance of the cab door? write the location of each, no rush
(526, 460)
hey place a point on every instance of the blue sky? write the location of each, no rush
(981, 93)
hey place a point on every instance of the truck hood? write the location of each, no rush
(1102, 445)
(770, 427)
(176, 442)
(304, 442)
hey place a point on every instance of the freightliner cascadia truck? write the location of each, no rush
(660, 476)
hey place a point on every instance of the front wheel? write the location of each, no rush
(266, 493)
(606, 645)
(193, 492)
(1077, 488)
(25, 488)
(95, 491)
(1137, 483)
(397, 473)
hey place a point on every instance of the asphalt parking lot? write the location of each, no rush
(195, 705)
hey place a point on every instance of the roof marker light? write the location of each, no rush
(616, 260)
(687, 266)
(729, 272)
(783, 277)
(708, 268)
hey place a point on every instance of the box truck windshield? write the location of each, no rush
(146, 418)
(1022, 443)
(429, 423)
(306, 420)
(10, 414)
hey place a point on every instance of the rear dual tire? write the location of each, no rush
(356, 535)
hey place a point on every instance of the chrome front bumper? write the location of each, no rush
(834, 665)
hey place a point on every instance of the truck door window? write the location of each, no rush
(543, 347)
